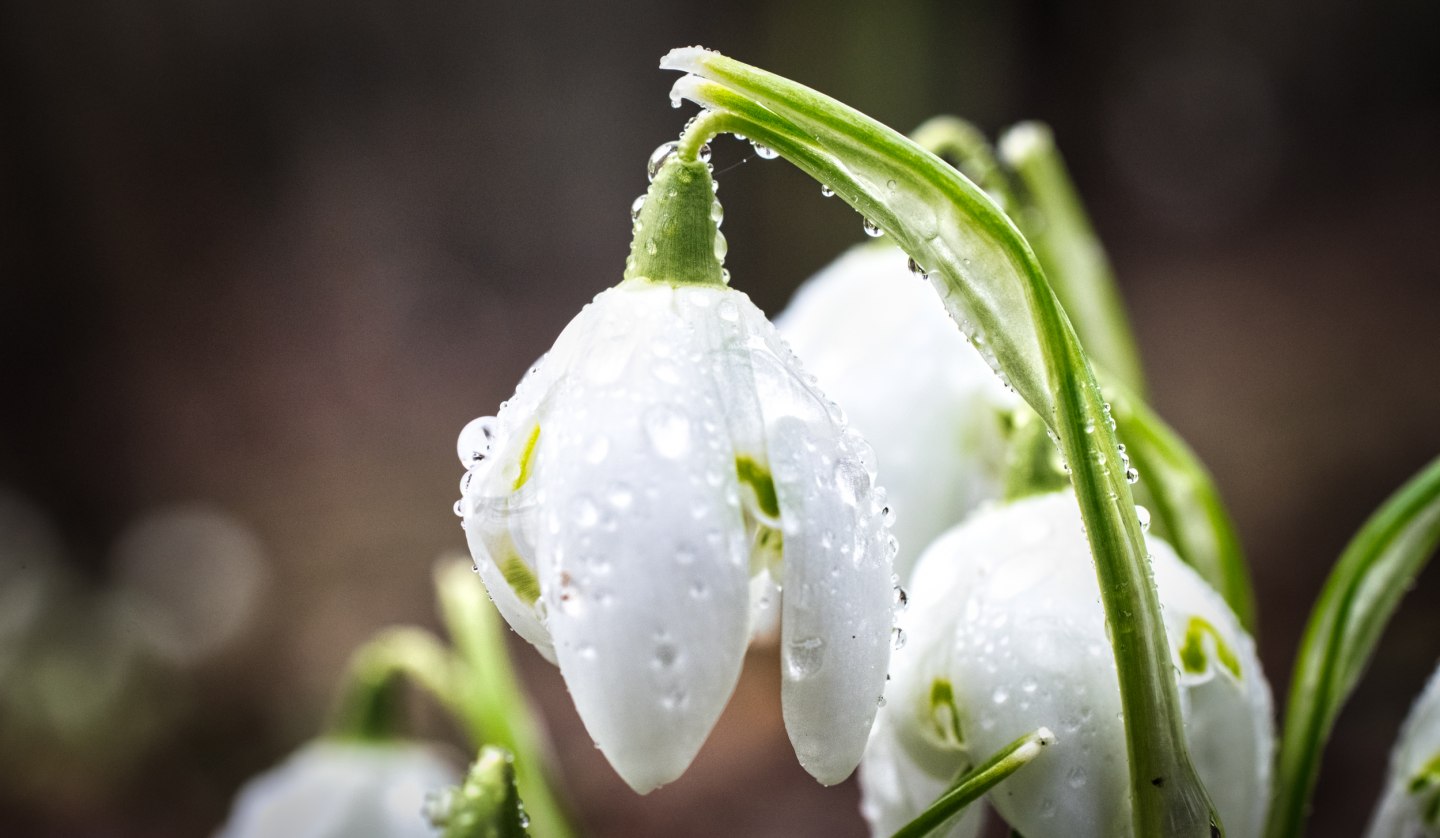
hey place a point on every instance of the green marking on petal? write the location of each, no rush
(527, 459)
(1192, 653)
(757, 477)
(945, 713)
(518, 576)
(1427, 777)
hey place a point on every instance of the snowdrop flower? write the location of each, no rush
(1410, 805)
(1007, 635)
(653, 480)
(331, 789)
(938, 416)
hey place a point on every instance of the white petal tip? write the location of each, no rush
(689, 87)
(685, 59)
(1025, 140)
(829, 772)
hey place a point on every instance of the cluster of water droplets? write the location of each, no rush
(473, 447)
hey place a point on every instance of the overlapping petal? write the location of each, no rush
(642, 551)
(881, 345)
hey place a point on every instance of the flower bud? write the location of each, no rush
(1007, 635)
(652, 481)
(334, 789)
(1410, 803)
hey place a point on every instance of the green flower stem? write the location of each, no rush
(1186, 504)
(488, 696)
(371, 702)
(970, 786)
(487, 804)
(991, 282)
(1053, 219)
(1358, 599)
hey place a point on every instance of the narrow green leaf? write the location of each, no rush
(1049, 211)
(1356, 603)
(970, 786)
(992, 284)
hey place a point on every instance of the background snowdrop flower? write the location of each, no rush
(655, 476)
(331, 789)
(1410, 803)
(938, 416)
(1007, 635)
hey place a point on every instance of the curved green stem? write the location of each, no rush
(993, 285)
(370, 703)
(970, 786)
(1359, 598)
(964, 145)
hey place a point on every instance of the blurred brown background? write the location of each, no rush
(260, 261)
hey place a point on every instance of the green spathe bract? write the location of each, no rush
(992, 283)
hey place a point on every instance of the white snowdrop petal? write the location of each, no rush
(895, 789)
(881, 345)
(335, 789)
(836, 595)
(1410, 802)
(643, 559)
(1013, 594)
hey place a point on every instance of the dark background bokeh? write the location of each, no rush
(270, 256)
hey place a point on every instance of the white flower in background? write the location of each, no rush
(652, 480)
(343, 790)
(1007, 635)
(1410, 803)
(881, 345)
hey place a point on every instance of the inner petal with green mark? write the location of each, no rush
(762, 514)
(1193, 655)
(945, 713)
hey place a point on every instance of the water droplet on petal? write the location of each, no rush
(475, 440)
(826, 192)
(1132, 475)
(717, 213)
(902, 599)
(804, 658)
(1144, 515)
(916, 269)
(871, 228)
(635, 208)
(765, 152)
(898, 638)
(658, 157)
(703, 154)
(721, 246)
(459, 508)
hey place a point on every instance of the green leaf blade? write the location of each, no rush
(1358, 600)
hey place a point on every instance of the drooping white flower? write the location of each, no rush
(1410, 803)
(655, 477)
(881, 345)
(1007, 635)
(331, 789)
